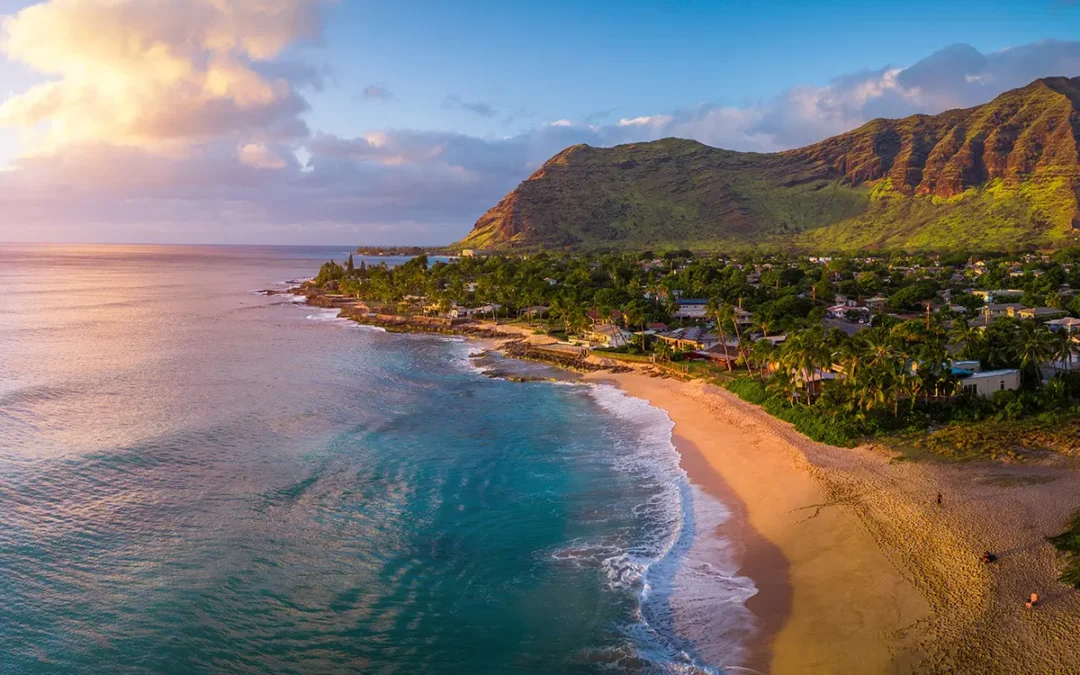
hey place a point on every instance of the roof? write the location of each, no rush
(993, 373)
(1044, 310)
(1067, 321)
(693, 301)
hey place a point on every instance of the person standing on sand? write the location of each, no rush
(939, 499)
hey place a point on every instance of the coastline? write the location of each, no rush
(857, 569)
(827, 598)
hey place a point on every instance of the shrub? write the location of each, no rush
(1068, 542)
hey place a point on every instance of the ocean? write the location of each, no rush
(198, 479)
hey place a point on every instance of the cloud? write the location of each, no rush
(238, 177)
(159, 75)
(454, 102)
(259, 156)
(374, 92)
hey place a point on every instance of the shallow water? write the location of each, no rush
(198, 479)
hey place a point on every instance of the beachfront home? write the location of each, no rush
(987, 383)
(472, 312)
(609, 335)
(693, 337)
(723, 354)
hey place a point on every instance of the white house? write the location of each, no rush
(987, 383)
(469, 312)
(691, 309)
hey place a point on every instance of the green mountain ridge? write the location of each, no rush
(1003, 175)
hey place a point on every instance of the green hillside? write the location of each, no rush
(1002, 175)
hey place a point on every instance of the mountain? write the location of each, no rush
(1003, 175)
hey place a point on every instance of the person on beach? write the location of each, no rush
(1033, 601)
(939, 499)
(988, 557)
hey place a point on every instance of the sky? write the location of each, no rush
(377, 123)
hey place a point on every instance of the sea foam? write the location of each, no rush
(681, 571)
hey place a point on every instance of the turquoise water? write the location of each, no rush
(197, 479)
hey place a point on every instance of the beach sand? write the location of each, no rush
(858, 569)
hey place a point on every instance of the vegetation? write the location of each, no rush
(889, 379)
(1001, 176)
(1068, 542)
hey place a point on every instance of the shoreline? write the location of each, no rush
(857, 569)
(826, 595)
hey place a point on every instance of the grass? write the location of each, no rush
(995, 440)
(1068, 543)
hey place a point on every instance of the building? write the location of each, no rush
(876, 303)
(470, 312)
(694, 337)
(1068, 323)
(691, 308)
(987, 383)
(1040, 313)
(988, 296)
(608, 334)
(994, 310)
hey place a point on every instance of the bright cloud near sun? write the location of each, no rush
(156, 75)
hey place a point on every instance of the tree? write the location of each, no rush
(635, 313)
(1033, 346)
(1062, 348)
(715, 308)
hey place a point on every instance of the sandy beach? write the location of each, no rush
(858, 568)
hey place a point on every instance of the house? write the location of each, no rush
(844, 300)
(1068, 324)
(723, 353)
(743, 317)
(1040, 313)
(694, 337)
(994, 310)
(876, 303)
(537, 311)
(988, 296)
(841, 312)
(608, 334)
(987, 383)
(691, 308)
(601, 318)
(470, 312)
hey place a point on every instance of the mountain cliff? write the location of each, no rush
(1002, 175)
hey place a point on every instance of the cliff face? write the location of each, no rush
(1000, 175)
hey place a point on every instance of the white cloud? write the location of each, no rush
(645, 121)
(158, 75)
(237, 157)
(259, 156)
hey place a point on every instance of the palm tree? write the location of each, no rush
(1062, 345)
(715, 308)
(968, 337)
(1034, 346)
(762, 354)
(634, 314)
